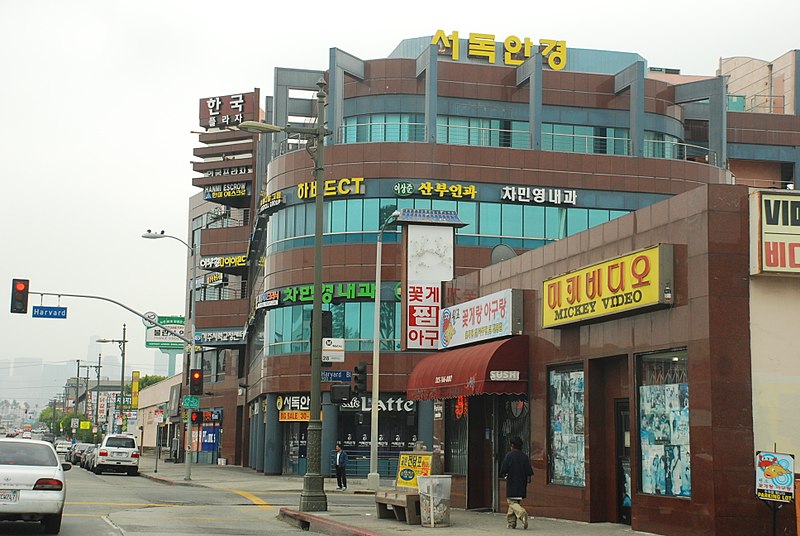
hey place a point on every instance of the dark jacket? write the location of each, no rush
(516, 469)
(342, 460)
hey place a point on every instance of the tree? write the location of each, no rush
(147, 381)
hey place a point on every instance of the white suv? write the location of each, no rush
(119, 453)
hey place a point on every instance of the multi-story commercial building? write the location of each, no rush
(556, 159)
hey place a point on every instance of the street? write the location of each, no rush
(113, 504)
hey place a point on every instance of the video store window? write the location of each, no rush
(664, 423)
(567, 460)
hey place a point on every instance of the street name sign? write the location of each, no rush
(40, 311)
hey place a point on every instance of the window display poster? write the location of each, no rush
(567, 428)
(664, 431)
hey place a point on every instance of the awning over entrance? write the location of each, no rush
(491, 367)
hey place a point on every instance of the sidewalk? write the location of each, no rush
(357, 520)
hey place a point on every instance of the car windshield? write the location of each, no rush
(122, 442)
(26, 454)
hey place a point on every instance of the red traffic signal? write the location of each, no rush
(196, 382)
(197, 417)
(19, 295)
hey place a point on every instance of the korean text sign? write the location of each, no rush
(622, 284)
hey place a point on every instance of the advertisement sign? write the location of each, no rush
(489, 317)
(228, 110)
(774, 476)
(293, 408)
(217, 192)
(157, 337)
(218, 262)
(634, 281)
(423, 302)
(775, 232)
(410, 466)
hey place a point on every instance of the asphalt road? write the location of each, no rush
(116, 504)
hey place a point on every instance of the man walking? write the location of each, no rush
(341, 468)
(516, 469)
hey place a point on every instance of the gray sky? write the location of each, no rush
(99, 98)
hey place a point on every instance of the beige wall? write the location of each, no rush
(149, 400)
(775, 362)
(768, 86)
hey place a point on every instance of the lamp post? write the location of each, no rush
(312, 498)
(374, 478)
(187, 462)
(121, 343)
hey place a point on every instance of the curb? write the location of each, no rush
(170, 482)
(323, 525)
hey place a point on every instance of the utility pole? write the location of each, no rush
(77, 387)
(97, 388)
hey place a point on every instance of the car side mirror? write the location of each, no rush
(66, 466)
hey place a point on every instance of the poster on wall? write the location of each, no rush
(774, 476)
(567, 428)
(664, 429)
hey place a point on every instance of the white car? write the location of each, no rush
(32, 484)
(62, 447)
(118, 453)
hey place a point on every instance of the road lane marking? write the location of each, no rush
(262, 504)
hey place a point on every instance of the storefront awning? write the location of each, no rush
(491, 367)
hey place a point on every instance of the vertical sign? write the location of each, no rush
(424, 304)
(774, 476)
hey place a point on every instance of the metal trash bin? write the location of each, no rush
(434, 500)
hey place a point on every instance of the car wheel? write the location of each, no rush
(52, 524)
(96, 470)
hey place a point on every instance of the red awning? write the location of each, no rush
(491, 367)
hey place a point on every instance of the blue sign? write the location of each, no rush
(340, 376)
(49, 312)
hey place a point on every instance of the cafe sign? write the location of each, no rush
(638, 280)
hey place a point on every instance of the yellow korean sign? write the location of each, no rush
(86, 425)
(634, 281)
(410, 466)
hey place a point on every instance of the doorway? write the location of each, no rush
(622, 418)
(480, 465)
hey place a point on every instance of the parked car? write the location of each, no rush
(62, 447)
(118, 453)
(33, 484)
(73, 455)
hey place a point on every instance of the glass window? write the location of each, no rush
(337, 221)
(512, 220)
(466, 213)
(664, 423)
(533, 221)
(490, 219)
(355, 214)
(567, 464)
(300, 228)
(577, 220)
(555, 222)
(455, 431)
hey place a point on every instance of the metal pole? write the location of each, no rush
(97, 396)
(313, 498)
(374, 478)
(187, 463)
(77, 386)
(122, 376)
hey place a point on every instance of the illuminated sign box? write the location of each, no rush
(634, 281)
(774, 233)
(489, 317)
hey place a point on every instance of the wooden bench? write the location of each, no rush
(405, 505)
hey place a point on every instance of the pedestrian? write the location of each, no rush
(516, 469)
(341, 468)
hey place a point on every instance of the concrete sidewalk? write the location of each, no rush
(360, 519)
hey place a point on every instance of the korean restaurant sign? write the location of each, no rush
(332, 187)
(223, 261)
(228, 110)
(481, 319)
(424, 301)
(634, 281)
(774, 232)
(515, 50)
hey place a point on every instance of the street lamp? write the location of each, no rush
(374, 478)
(121, 343)
(187, 462)
(312, 498)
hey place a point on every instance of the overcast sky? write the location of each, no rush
(99, 99)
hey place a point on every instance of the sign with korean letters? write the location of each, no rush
(423, 299)
(228, 110)
(774, 232)
(514, 50)
(775, 476)
(490, 317)
(412, 465)
(216, 192)
(224, 261)
(158, 337)
(633, 281)
(293, 407)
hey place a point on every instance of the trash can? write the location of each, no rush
(434, 500)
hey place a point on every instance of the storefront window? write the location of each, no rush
(514, 421)
(664, 423)
(567, 465)
(455, 430)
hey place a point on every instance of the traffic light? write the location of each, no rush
(327, 332)
(19, 296)
(197, 417)
(360, 378)
(196, 382)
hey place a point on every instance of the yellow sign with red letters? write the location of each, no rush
(633, 281)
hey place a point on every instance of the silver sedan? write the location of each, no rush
(32, 485)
